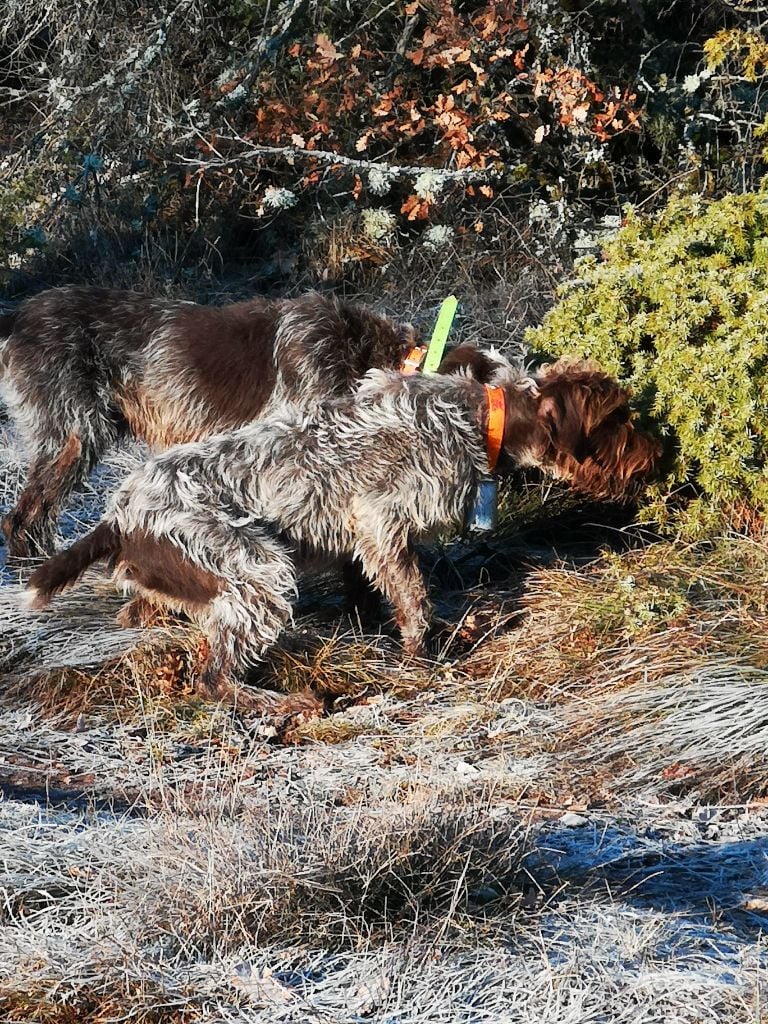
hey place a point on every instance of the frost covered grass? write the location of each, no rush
(560, 818)
(218, 920)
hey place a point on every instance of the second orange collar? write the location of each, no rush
(494, 435)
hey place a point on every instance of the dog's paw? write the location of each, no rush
(32, 600)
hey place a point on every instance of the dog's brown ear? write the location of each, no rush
(409, 335)
(562, 417)
(471, 360)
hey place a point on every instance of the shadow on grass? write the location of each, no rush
(718, 888)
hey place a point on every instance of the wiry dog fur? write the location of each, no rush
(215, 528)
(82, 367)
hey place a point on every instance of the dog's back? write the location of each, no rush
(207, 369)
(161, 370)
(168, 371)
(82, 367)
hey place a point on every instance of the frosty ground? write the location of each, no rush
(562, 817)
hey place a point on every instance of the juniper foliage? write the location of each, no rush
(677, 308)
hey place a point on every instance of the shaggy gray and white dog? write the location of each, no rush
(81, 368)
(215, 529)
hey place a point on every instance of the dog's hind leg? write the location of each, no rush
(216, 682)
(238, 587)
(56, 469)
(251, 611)
(58, 387)
(66, 440)
(240, 624)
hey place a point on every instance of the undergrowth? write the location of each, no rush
(677, 309)
(588, 639)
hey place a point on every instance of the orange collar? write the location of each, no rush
(494, 437)
(414, 359)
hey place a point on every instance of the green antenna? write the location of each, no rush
(440, 334)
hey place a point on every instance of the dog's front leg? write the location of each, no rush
(394, 569)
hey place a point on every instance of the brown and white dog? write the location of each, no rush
(82, 367)
(215, 529)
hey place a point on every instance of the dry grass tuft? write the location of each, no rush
(654, 659)
(325, 872)
(344, 665)
(163, 664)
(188, 890)
(705, 728)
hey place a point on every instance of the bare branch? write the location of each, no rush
(292, 153)
(745, 7)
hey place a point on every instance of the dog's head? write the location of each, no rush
(584, 433)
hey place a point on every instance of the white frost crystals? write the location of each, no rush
(429, 184)
(380, 180)
(692, 82)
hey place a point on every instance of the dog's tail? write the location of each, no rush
(65, 568)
